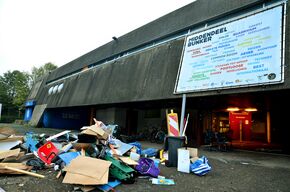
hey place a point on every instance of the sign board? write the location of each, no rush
(244, 52)
(172, 124)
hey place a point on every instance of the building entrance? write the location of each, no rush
(240, 124)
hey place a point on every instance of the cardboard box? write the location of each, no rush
(96, 131)
(193, 152)
(87, 171)
(184, 157)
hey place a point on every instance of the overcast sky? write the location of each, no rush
(34, 32)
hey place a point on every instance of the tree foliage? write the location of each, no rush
(4, 99)
(41, 71)
(15, 88)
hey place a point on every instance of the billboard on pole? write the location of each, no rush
(244, 52)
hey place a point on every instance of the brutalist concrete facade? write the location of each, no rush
(142, 66)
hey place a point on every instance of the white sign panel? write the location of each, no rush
(245, 52)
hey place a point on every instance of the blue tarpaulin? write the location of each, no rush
(67, 157)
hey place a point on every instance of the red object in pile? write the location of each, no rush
(47, 152)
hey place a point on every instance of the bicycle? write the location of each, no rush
(157, 136)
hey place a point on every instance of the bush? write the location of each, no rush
(8, 118)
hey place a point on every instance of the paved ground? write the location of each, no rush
(231, 171)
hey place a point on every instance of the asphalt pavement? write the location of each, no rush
(234, 170)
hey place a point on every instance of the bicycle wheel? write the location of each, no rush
(153, 137)
(160, 136)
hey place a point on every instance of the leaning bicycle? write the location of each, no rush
(157, 136)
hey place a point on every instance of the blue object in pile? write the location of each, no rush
(138, 147)
(200, 167)
(67, 157)
(109, 186)
(149, 152)
(31, 141)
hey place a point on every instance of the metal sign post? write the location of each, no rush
(0, 110)
(182, 114)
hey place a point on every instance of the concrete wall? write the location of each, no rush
(150, 74)
(107, 116)
(112, 116)
(191, 15)
(120, 117)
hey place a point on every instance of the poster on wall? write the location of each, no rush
(244, 52)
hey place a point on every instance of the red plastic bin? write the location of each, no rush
(47, 152)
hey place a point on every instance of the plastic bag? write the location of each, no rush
(36, 163)
(138, 147)
(147, 167)
(200, 167)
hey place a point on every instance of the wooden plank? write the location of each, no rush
(9, 153)
(13, 165)
(24, 172)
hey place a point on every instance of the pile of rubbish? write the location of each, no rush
(91, 159)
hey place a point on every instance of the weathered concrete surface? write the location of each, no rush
(190, 15)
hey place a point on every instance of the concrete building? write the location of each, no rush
(229, 59)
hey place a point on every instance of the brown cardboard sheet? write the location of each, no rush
(87, 171)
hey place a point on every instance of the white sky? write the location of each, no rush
(34, 32)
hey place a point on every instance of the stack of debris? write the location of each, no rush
(11, 155)
(92, 158)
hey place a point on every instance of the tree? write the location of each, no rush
(4, 98)
(15, 88)
(41, 71)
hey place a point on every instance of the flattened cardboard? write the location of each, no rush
(128, 161)
(89, 132)
(74, 178)
(22, 157)
(9, 153)
(87, 171)
(96, 131)
(14, 159)
(193, 152)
